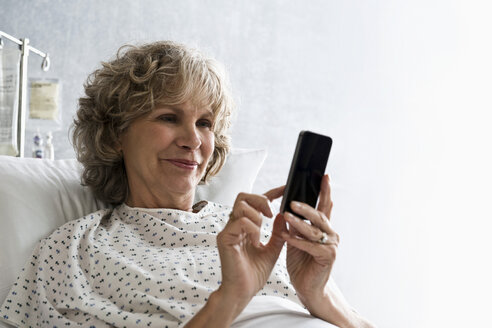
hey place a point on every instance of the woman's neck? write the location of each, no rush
(183, 202)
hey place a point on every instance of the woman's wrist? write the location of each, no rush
(230, 302)
(220, 310)
(330, 309)
(335, 310)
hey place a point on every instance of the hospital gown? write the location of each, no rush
(128, 267)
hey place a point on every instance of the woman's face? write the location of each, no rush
(166, 154)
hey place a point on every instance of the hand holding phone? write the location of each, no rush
(307, 169)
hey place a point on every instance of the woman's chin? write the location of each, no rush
(183, 187)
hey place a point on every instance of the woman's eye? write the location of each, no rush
(168, 118)
(205, 123)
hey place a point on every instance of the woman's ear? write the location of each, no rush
(118, 146)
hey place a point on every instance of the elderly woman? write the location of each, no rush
(152, 126)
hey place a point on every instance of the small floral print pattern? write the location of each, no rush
(128, 267)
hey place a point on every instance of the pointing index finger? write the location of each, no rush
(258, 202)
(275, 193)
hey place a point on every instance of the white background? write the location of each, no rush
(404, 89)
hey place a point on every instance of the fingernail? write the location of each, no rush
(288, 216)
(270, 205)
(295, 204)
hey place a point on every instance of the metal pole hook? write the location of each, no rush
(45, 65)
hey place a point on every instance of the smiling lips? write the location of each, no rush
(183, 163)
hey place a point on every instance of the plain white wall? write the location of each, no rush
(403, 87)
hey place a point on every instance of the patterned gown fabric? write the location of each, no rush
(128, 267)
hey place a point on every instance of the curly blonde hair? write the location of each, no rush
(129, 87)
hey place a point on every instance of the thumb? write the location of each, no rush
(279, 226)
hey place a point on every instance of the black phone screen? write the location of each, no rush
(307, 169)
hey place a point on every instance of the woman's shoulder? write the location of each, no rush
(81, 224)
(95, 217)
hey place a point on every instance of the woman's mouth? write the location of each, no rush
(183, 163)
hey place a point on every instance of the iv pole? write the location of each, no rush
(25, 48)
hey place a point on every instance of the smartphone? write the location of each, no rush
(307, 169)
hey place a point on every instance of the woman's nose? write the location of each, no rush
(189, 138)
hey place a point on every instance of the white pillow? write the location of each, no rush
(37, 196)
